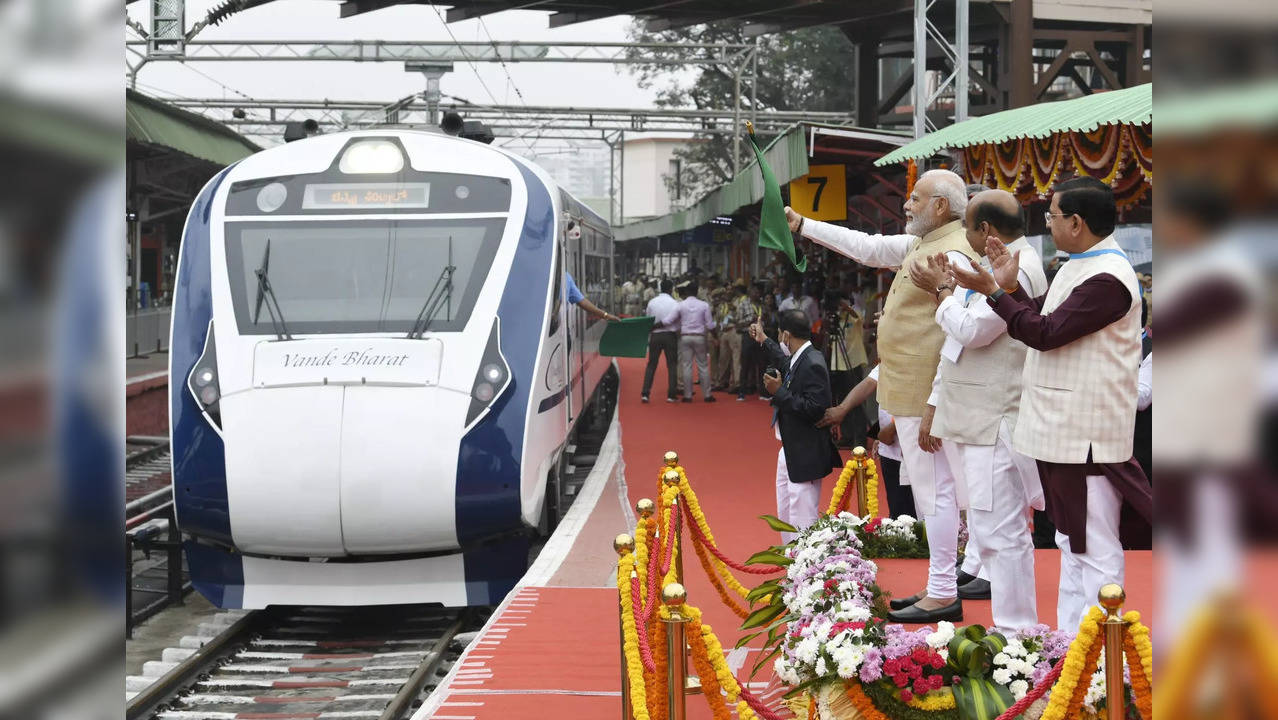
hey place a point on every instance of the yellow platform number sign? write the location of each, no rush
(822, 194)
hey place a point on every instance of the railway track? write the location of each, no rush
(153, 558)
(365, 662)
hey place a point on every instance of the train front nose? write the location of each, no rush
(399, 468)
(332, 470)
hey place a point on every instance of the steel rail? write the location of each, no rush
(403, 699)
(177, 679)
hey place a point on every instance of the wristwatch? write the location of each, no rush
(998, 293)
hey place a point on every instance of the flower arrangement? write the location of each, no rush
(901, 537)
(826, 629)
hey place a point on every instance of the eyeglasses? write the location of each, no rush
(1047, 216)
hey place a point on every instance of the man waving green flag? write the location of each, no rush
(774, 231)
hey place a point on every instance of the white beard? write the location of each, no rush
(917, 227)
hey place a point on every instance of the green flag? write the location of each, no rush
(774, 231)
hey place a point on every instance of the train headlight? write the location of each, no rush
(272, 197)
(367, 157)
(202, 382)
(492, 379)
(494, 373)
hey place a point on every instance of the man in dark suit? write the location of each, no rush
(799, 384)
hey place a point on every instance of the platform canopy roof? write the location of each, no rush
(1131, 106)
(156, 123)
(787, 155)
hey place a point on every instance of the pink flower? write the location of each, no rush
(956, 680)
(901, 680)
(922, 685)
(937, 682)
(937, 662)
(906, 696)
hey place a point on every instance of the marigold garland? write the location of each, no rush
(693, 506)
(717, 584)
(635, 677)
(655, 682)
(871, 488)
(1067, 694)
(840, 488)
(1140, 660)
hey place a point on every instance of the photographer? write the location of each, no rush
(845, 348)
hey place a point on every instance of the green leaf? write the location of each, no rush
(803, 686)
(761, 616)
(778, 524)
(770, 587)
(764, 660)
(748, 638)
(768, 557)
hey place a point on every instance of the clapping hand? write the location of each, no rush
(1007, 265)
(974, 278)
(929, 271)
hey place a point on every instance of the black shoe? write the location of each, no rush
(912, 615)
(902, 603)
(711, 399)
(687, 400)
(977, 589)
(645, 398)
(964, 578)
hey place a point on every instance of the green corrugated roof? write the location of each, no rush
(152, 121)
(1189, 112)
(787, 155)
(1132, 106)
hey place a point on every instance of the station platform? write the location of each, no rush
(552, 648)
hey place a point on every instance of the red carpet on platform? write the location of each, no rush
(554, 652)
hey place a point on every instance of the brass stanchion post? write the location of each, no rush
(624, 544)
(673, 595)
(1111, 598)
(862, 503)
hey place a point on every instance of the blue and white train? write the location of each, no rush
(374, 371)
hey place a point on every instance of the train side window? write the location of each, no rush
(558, 297)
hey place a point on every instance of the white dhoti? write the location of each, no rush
(1082, 575)
(797, 503)
(937, 501)
(1000, 485)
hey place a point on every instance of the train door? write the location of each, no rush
(564, 267)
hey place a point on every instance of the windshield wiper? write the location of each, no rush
(440, 295)
(266, 292)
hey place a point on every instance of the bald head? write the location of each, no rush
(993, 212)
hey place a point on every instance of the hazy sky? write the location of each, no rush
(563, 84)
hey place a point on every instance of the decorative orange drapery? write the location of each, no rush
(1120, 155)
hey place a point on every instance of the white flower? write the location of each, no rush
(806, 650)
(941, 638)
(906, 519)
(1014, 649)
(785, 671)
(1032, 659)
(1002, 676)
(1019, 688)
(1002, 659)
(821, 668)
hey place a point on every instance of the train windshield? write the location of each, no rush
(358, 276)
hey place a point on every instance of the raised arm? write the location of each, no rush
(886, 251)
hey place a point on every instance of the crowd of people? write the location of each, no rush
(1008, 390)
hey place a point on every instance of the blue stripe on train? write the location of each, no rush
(199, 460)
(490, 457)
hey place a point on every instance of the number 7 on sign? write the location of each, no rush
(822, 193)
